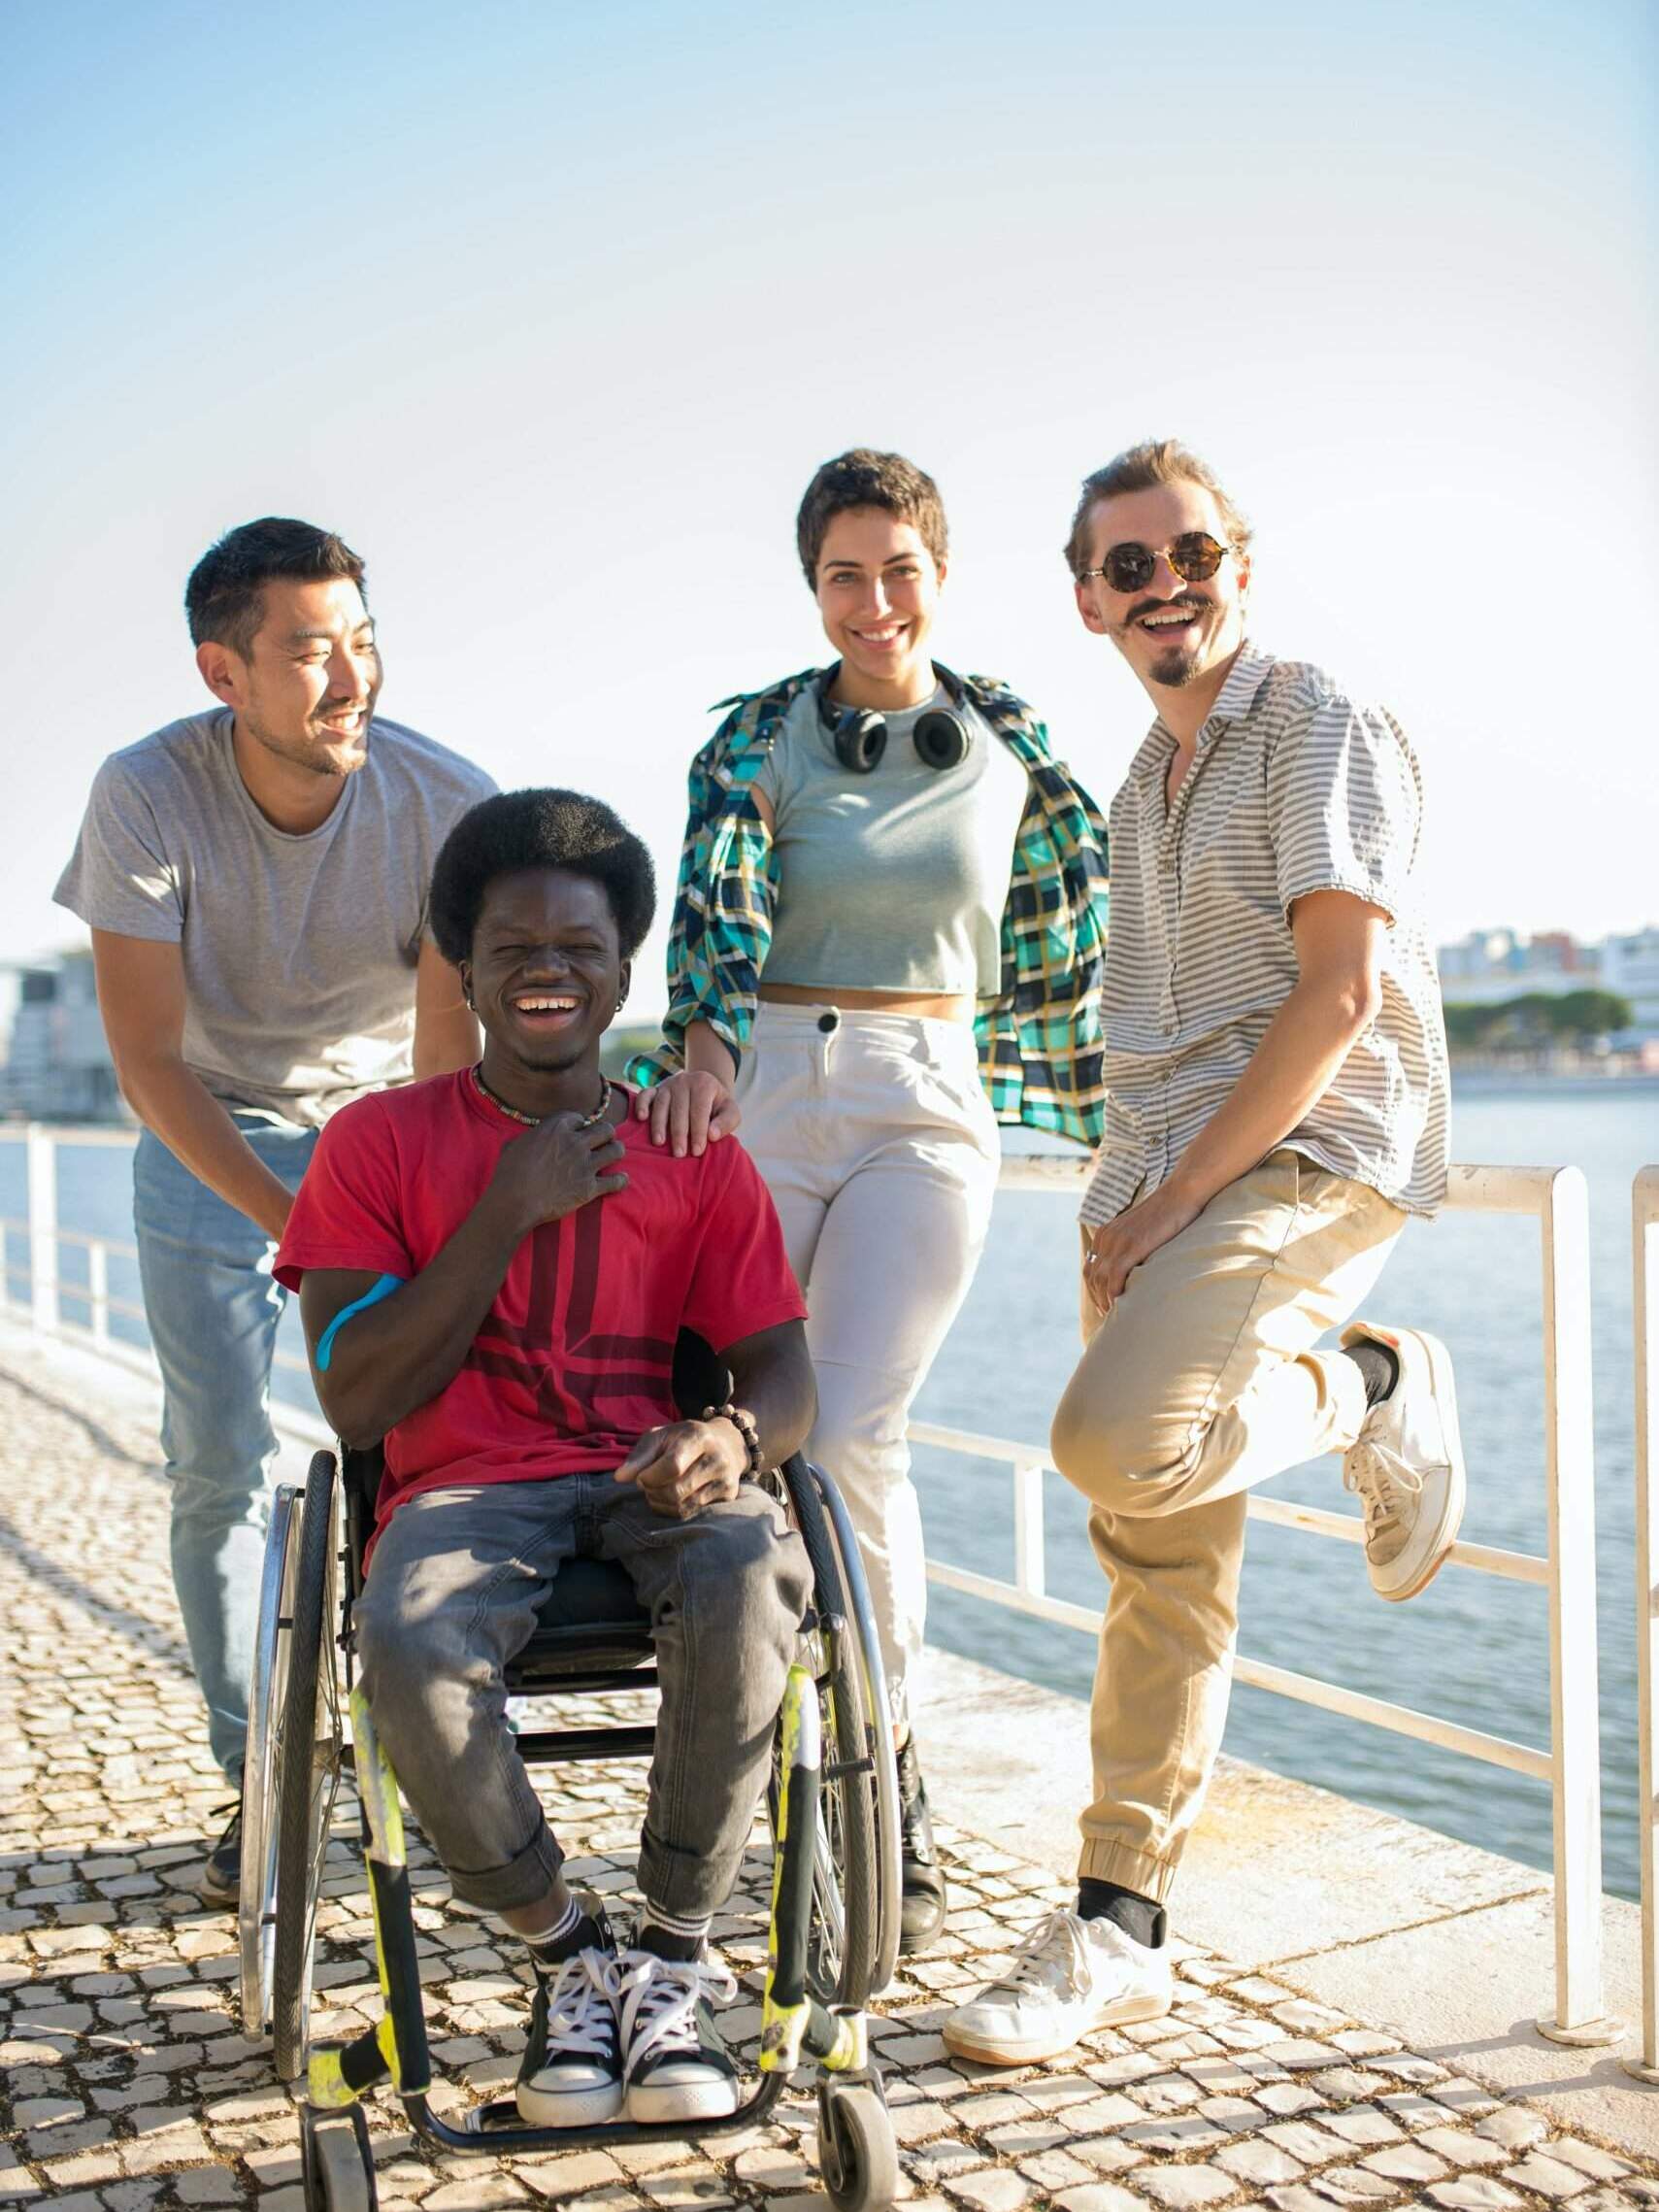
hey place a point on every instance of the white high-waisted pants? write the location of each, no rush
(881, 1150)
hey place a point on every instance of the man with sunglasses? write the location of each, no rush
(1277, 1110)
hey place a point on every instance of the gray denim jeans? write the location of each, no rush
(454, 1585)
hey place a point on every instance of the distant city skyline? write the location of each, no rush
(65, 1057)
(1489, 967)
(552, 313)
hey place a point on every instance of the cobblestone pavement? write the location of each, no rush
(129, 2085)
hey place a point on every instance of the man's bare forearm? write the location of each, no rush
(445, 1028)
(445, 1043)
(1289, 1071)
(772, 1378)
(175, 1105)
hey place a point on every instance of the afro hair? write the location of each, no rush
(515, 831)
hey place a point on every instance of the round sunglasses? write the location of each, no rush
(1194, 556)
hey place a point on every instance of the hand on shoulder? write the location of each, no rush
(692, 1110)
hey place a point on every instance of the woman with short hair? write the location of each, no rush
(888, 941)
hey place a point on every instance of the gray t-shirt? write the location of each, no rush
(895, 881)
(299, 952)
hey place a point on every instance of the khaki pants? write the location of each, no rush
(1201, 1381)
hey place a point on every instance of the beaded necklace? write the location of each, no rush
(534, 1120)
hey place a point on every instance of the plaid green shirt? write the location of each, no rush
(1040, 1042)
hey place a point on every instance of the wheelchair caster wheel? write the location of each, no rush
(336, 2162)
(856, 2150)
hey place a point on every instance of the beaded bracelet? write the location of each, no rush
(743, 1422)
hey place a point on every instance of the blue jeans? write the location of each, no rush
(212, 1307)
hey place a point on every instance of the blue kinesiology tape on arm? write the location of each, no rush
(383, 1288)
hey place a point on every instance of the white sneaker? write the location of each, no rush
(1407, 1467)
(674, 2064)
(1069, 1976)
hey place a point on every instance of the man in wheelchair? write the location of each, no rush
(493, 1267)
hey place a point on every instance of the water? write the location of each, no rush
(1470, 1648)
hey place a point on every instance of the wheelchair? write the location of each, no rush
(832, 1803)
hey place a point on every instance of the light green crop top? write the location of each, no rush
(894, 880)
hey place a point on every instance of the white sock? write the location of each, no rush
(685, 1936)
(548, 1939)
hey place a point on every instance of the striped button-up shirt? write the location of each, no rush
(1294, 789)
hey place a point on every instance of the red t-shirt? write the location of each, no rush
(574, 1358)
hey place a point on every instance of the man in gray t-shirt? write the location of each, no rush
(256, 882)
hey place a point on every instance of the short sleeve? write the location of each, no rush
(743, 1282)
(121, 876)
(1344, 806)
(348, 1210)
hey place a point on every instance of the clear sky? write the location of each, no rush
(552, 310)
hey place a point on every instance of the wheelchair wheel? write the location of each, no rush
(844, 1940)
(336, 2162)
(844, 1937)
(306, 1764)
(881, 1871)
(256, 1903)
(856, 2150)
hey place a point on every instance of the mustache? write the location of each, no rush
(1187, 600)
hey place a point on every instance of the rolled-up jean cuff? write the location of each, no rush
(676, 1881)
(1101, 1861)
(523, 1881)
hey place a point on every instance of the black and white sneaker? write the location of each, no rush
(571, 2073)
(674, 2064)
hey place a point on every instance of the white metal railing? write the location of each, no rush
(1555, 1198)
(40, 1291)
(1644, 1270)
(1558, 1199)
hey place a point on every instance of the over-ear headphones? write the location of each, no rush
(859, 735)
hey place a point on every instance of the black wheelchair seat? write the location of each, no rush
(590, 1617)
